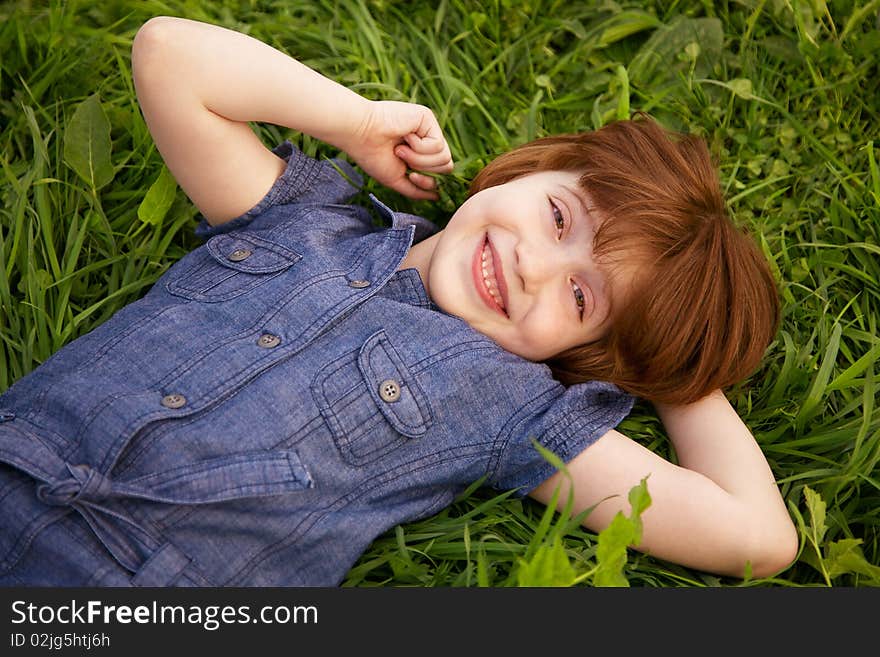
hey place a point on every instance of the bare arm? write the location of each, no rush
(716, 510)
(199, 85)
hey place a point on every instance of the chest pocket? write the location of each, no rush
(227, 266)
(371, 402)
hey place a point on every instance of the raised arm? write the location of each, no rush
(716, 510)
(199, 85)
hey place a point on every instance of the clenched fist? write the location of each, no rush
(397, 137)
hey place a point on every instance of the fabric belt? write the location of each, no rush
(94, 495)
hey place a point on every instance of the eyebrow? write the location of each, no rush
(579, 195)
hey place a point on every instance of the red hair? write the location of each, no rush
(704, 305)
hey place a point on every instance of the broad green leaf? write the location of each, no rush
(639, 500)
(816, 506)
(617, 537)
(845, 556)
(549, 567)
(158, 198)
(611, 551)
(87, 143)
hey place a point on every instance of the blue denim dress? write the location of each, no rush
(280, 397)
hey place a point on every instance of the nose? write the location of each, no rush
(535, 266)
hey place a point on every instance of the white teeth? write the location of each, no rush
(489, 277)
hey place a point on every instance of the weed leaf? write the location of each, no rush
(618, 536)
(816, 506)
(549, 567)
(845, 556)
(87, 143)
(816, 532)
(611, 553)
(158, 198)
(639, 500)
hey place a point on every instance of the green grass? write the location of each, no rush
(785, 92)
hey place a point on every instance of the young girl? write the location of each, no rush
(304, 380)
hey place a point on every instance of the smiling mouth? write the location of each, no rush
(489, 277)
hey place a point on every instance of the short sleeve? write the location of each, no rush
(565, 425)
(304, 180)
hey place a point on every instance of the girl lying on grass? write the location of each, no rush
(306, 380)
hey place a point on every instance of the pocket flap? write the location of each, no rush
(232, 477)
(249, 253)
(403, 402)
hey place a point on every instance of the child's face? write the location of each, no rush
(516, 263)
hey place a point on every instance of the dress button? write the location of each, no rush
(239, 254)
(358, 283)
(389, 390)
(173, 401)
(267, 341)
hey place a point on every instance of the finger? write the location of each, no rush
(435, 162)
(428, 125)
(406, 187)
(431, 143)
(446, 167)
(422, 181)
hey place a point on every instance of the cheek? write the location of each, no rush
(469, 212)
(543, 334)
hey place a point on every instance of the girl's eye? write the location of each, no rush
(579, 298)
(558, 219)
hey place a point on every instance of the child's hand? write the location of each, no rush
(395, 137)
